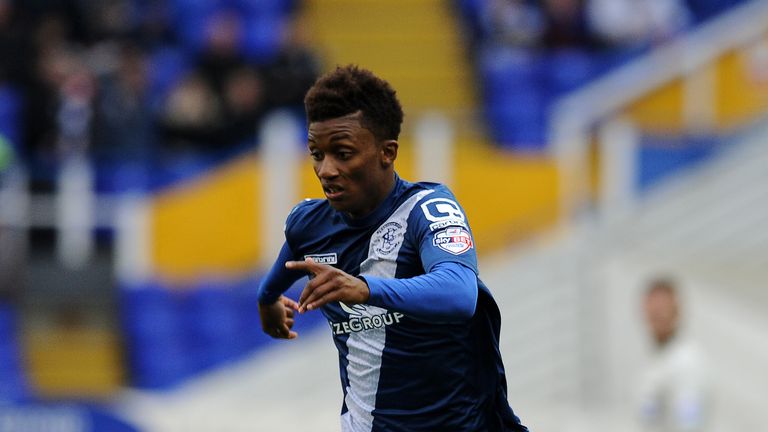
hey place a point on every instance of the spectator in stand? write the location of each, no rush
(243, 106)
(628, 24)
(55, 58)
(191, 116)
(566, 25)
(294, 70)
(124, 126)
(209, 59)
(514, 23)
(222, 52)
(218, 105)
(14, 44)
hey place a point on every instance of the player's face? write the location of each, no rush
(661, 314)
(355, 170)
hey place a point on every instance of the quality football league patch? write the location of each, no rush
(455, 240)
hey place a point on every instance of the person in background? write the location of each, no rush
(634, 24)
(566, 25)
(673, 390)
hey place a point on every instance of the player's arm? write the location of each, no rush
(448, 292)
(276, 310)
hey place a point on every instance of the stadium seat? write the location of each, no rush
(661, 156)
(210, 324)
(263, 38)
(513, 101)
(567, 70)
(10, 103)
(247, 302)
(13, 383)
(152, 325)
(167, 66)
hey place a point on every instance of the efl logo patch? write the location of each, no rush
(326, 258)
(453, 240)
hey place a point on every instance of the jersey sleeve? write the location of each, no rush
(448, 292)
(279, 279)
(441, 232)
(292, 223)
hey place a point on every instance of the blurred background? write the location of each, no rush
(151, 149)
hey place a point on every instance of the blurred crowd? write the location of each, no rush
(530, 52)
(144, 83)
(586, 24)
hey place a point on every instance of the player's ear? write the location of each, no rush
(388, 152)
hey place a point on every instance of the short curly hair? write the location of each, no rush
(350, 89)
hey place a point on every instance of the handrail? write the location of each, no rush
(575, 114)
(635, 79)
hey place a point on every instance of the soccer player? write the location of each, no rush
(393, 268)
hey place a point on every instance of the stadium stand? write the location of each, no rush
(188, 327)
(526, 61)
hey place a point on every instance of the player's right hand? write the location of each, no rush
(277, 318)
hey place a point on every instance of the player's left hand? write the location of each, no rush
(329, 284)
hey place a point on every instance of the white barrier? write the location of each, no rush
(575, 115)
(280, 153)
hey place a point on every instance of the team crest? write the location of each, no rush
(388, 238)
(455, 240)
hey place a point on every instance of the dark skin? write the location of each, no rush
(356, 171)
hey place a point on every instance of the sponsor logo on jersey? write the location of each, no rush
(454, 240)
(388, 237)
(447, 223)
(442, 210)
(326, 258)
(362, 319)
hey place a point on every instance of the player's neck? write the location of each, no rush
(381, 195)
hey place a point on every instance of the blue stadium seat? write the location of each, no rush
(661, 156)
(263, 38)
(167, 66)
(10, 104)
(567, 70)
(514, 103)
(13, 382)
(211, 324)
(247, 303)
(157, 356)
(261, 8)
(702, 10)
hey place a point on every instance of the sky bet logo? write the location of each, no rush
(453, 240)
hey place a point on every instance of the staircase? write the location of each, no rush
(414, 44)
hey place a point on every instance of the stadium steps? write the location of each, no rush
(725, 213)
(80, 362)
(416, 45)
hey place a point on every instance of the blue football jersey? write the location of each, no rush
(401, 372)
